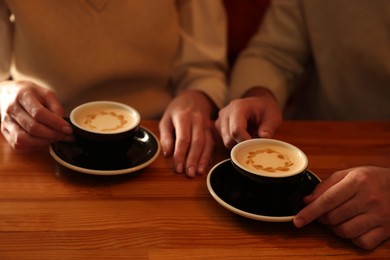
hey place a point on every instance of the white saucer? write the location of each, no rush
(143, 152)
(247, 198)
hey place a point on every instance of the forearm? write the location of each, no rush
(276, 56)
(201, 60)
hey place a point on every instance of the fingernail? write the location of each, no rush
(201, 170)
(191, 171)
(179, 168)
(265, 134)
(299, 222)
(67, 129)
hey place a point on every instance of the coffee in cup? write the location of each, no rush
(269, 161)
(105, 129)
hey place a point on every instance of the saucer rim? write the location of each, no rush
(109, 172)
(241, 212)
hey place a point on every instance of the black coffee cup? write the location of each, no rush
(105, 129)
(275, 165)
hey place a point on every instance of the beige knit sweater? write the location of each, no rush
(138, 52)
(344, 47)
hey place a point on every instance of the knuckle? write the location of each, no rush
(235, 132)
(36, 112)
(18, 141)
(361, 178)
(197, 141)
(329, 203)
(197, 144)
(11, 108)
(197, 115)
(23, 93)
(183, 141)
(236, 102)
(182, 115)
(343, 231)
(32, 128)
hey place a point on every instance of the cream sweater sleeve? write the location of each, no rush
(277, 54)
(200, 63)
(5, 41)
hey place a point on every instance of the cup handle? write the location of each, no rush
(304, 187)
(140, 135)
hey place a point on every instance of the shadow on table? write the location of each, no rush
(312, 235)
(84, 179)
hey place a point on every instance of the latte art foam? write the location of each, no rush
(105, 119)
(271, 159)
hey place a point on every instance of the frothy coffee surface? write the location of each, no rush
(105, 119)
(270, 159)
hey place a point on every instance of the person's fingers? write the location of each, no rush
(167, 136)
(27, 122)
(207, 155)
(354, 226)
(196, 147)
(41, 114)
(19, 139)
(35, 128)
(52, 103)
(232, 123)
(371, 239)
(224, 131)
(327, 201)
(183, 130)
(202, 146)
(218, 125)
(325, 185)
(343, 213)
(238, 125)
(271, 121)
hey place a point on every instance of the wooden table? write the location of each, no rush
(48, 212)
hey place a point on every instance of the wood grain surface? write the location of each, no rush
(50, 212)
